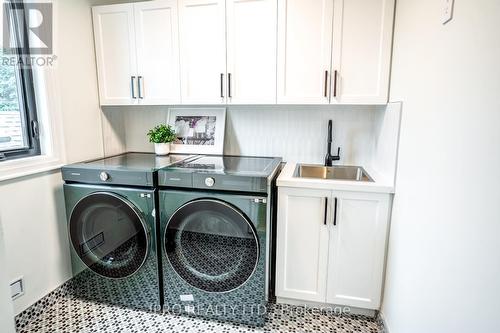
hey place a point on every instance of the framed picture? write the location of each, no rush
(199, 130)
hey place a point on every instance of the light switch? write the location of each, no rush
(448, 11)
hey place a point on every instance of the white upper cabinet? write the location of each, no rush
(157, 41)
(362, 45)
(203, 51)
(251, 51)
(245, 31)
(137, 53)
(302, 244)
(244, 52)
(304, 51)
(334, 51)
(357, 249)
(116, 54)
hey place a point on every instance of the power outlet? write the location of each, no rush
(448, 10)
(17, 288)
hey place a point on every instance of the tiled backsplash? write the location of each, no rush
(296, 133)
(299, 133)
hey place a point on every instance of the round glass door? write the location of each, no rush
(211, 245)
(109, 235)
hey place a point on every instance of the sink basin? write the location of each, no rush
(353, 173)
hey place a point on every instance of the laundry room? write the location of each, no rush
(249, 166)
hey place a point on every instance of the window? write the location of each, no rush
(19, 135)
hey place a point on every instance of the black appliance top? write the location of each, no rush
(230, 165)
(135, 169)
(225, 173)
(134, 162)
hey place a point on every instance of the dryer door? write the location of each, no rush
(109, 235)
(211, 245)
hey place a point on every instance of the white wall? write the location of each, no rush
(77, 79)
(36, 242)
(444, 256)
(6, 311)
(32, 208)
(296, 133)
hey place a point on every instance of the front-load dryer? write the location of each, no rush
(112, 232)
(112, 226)
(215, 234)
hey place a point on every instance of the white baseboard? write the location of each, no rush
(317, 305)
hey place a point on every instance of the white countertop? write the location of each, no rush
(380, 184)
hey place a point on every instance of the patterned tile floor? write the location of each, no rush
(73, 315)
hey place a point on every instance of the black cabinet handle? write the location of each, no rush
(229, 93)
(335, 213)
(326, 84)
(221, 85)
(132, 87)
(326, 211)
(335, 74)
(139, 86)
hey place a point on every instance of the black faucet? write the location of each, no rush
(329, 158)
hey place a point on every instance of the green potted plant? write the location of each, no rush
(162, 136)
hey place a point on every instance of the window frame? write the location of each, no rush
(27, 98)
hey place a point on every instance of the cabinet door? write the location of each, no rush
(357, 249)
(251, 49)
(157, 52)
(203, 51)
(114, 36)
(304, 51)
(362, 46)
(302, 244)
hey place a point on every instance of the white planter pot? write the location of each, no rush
(162, 149)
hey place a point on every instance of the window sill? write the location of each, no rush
(28, 166)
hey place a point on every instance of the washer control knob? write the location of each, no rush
(210, 182)
(104, 176)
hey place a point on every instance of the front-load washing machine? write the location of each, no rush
(215, 235)
(111, 209)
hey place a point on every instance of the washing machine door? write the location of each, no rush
(109, 235)
(211, 245)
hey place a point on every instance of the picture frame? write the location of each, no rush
(199, 130)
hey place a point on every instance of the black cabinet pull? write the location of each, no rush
(335, 73)
(326, 211)
(139, 87)
(229, 93)
(132, 87)
(326, 84)
(335, 213)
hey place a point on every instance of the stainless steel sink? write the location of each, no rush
(354, 173)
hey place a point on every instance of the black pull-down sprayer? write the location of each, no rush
(329, 158)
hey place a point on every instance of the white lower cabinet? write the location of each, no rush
(356, 255)
(302, 244)
(331, 246)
